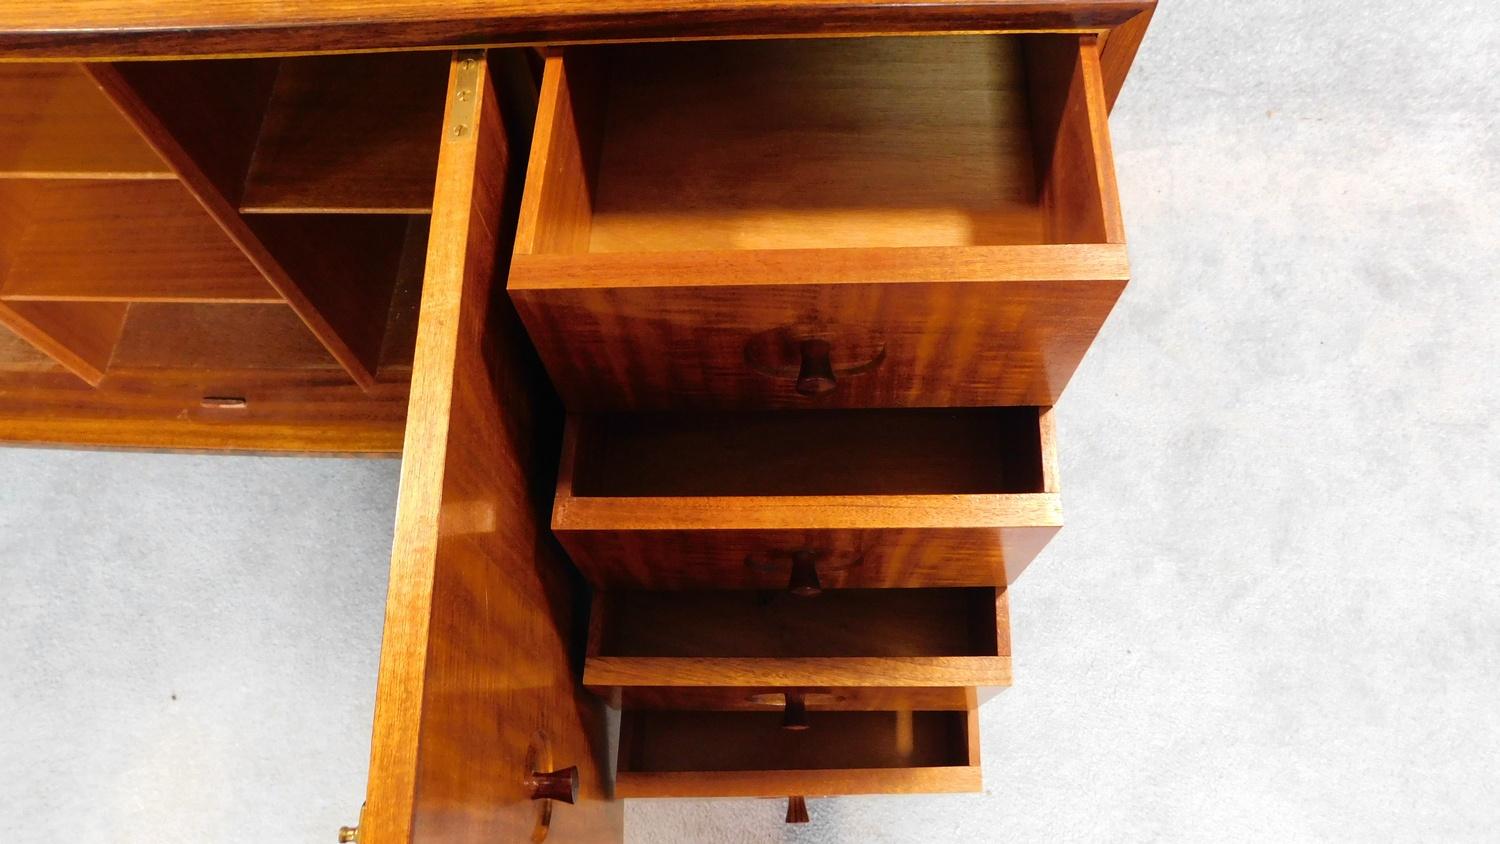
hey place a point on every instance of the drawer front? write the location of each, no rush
(843, 641)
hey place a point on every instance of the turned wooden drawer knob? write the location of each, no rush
(556, 785)
(795, 716)
(804, 582)
(796, 810)
(816, 375)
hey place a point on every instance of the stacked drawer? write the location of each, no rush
(808, 304)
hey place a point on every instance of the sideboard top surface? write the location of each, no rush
(105, 29)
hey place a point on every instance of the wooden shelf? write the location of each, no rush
(876, 498)
(119, 241)
(350, 134)
(55, 123)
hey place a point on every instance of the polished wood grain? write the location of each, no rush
(119, 241)
(102, 28)
(702, 311)
(884, 638)
(349, 134)
(747, 754)
(474, 686)
(896, 536)
(842, 143)
(55, 123)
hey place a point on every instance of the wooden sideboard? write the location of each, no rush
(719, 343)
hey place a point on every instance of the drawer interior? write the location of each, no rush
(252, 214)
(682, 741)
(804, 453)
(859, 142)
(839, 623)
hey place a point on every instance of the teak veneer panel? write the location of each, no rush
(350, 134)
(56, 123)
(903, 537)
(120, 241)
(475, 661)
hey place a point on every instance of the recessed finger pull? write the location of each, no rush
(795, 716)
(556, 785)
(804, 582)
(816, 375)
(796, 810)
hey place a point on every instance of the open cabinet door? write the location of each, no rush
(476, 689)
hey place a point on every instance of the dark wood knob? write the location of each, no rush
(795, 717)
(796, 810)
(805, 583)
(557, 785)
(816, 375)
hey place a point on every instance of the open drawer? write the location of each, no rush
(874, 641)
(892, 222)
(810, 499)
(677, 753)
